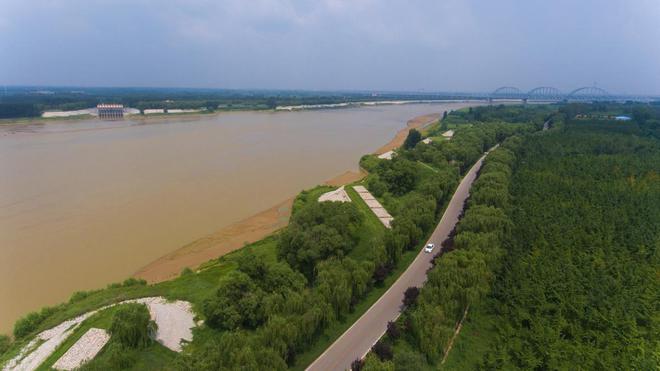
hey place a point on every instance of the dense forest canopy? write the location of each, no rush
(556, 260)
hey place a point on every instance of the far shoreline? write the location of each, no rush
(159, 117)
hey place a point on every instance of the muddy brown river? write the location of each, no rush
(86, 203)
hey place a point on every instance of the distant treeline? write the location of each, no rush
(12, 110)
(31, 102)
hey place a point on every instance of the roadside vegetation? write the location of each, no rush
(461, 275)
(554, 265)
(280, 302)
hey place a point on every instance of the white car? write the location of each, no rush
(429, 247)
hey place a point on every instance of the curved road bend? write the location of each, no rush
(365, 332)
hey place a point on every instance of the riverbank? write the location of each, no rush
(138, 192)
(258, 226)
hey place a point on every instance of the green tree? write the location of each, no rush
(414, 137)
(401, 175)
(408, 360)
(132, 326)
(238, 303)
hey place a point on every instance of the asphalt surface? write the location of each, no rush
(364, 333)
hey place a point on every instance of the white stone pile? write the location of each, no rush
(375, 206)
(86, 348)
(338, 195)
(175, 321)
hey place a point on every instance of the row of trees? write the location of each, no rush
(13, 110)
(460, 278)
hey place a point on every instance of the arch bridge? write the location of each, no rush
(548, 93)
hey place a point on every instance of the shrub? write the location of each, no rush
(5, 342)
(78, 296)
(357, 365)
(383, 350)
(31, 321)
(393, 330)
(408, 360)
(186, 271)
(410, 296)
(134, 282)
(377, 186)
(412, 139)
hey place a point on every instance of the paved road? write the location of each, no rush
(359, 338)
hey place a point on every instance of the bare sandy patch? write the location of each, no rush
(230, 238)
(174, 320)
(346, 178)
(223, 241)
(400, 137)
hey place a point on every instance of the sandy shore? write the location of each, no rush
(229, 238)
(400, 137)
(256, 227)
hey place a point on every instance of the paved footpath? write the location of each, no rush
(364, 333)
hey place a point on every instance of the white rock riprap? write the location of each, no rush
(86, 348)
(338, 195)
(448, 134)
(387, 155)
(175, 321)
(33, 354)
(375, 206)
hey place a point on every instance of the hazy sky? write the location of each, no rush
(434, 45)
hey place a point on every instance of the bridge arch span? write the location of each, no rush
(507, 92)
(587, 93)
(545, 92)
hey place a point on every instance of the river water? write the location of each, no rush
(86, 203)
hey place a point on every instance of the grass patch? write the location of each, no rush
(477, 336)
(371, 227)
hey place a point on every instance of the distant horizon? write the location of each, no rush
(353, 91)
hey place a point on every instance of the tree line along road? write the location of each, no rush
(366, 331)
